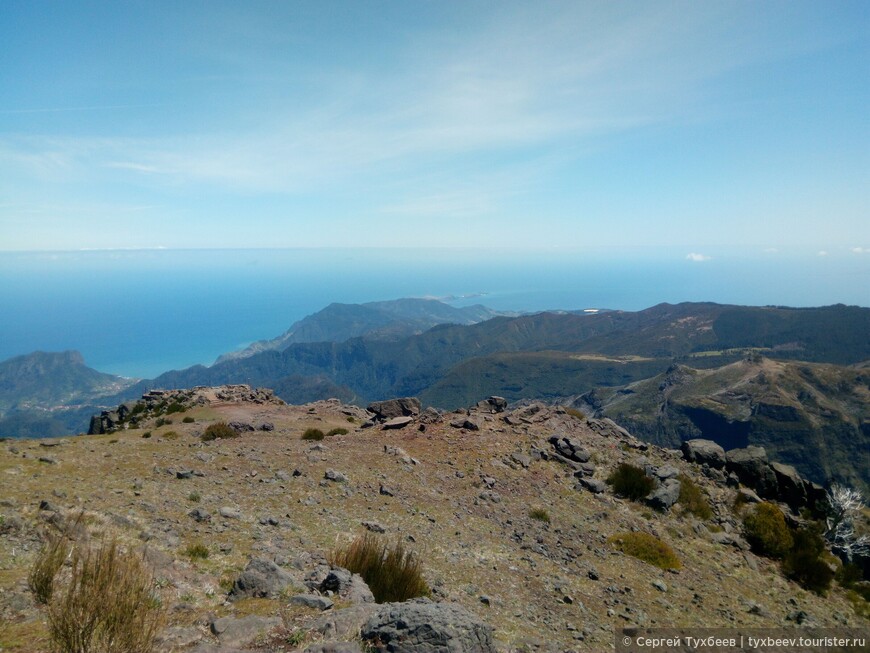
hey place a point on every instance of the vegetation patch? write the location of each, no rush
(218, 430)
(804, 563)
(693, 499)
(337, 431)
(313, 434)
(631, 482)
(197, 551)
(48, 562)
(767, 532)
(188, 420)
(573, 412)
(540, 514)
(646, 547)
(194, 497)
(393, 573)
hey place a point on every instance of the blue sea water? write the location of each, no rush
(141, 312)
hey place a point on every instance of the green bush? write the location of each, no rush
(162, 421)
(218, 430)
(175, 407)
(392, 573)
(188, 420)
(105, 603)
(313, 434)
(337, 431)
(194, 497)
(646, 547)
(692, 498)
(146, 434)
(540, 514)
(803, 562)
(631, 482)
(767, 532)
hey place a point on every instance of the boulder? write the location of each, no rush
(666, 495)
(750, 466)
(791, 486)
(333, 647)
(421, 626)
(404, 407)
(234, 632)
(570, 448)
(261, 579)
(593, 485)
(344, 623)
(493, 404)
(704, 451)
(314, 601)
(465, 423)
(347, 585)
(397, 423)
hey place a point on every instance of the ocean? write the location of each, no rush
(138, 313)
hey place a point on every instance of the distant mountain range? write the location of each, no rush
(600, 360)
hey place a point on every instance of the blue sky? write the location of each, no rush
(699, 126)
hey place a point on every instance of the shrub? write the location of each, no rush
(170, 435)
(217, 430)
(766, 531)
(692, 498)
(106, 603)
(631, 482)
(48, 562)
(351, 419)
(540, 514)
(804, 565)
(646, 547)
(313, 434)
(194, 497)
(392, 573)
(337, 431)
(188, 420)
(196, 551)
(162, 421)
(175, 407)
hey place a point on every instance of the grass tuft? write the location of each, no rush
(573, 412)
(218, 430)
(392, 573)
(48, 562)
(105, 603)
(540, 514)
(337, 431)
(196, 551)
(188, 420)
(646, 547)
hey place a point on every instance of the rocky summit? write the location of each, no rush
(240, 502)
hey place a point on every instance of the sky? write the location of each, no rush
(698, 126)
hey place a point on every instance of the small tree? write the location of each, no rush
(844, 504)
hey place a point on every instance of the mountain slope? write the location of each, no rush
(44, 380)
(388, 319)
(813, 416)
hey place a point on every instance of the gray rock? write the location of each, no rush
(593, 485)
(266, 426)
(660, 585)
(397, 423)
(750, 466)
(570, 448)
(240, 427)
(665, 495)
(334, 647)
(345, 623)
(493, 404)
(584, 469)
(262, 579)
(48, 460)
(237, 632)
(792, 488)
(386, 491)
(465, 423)
(704, 451)
(184, 475)
(521, 459)
(404, 407)
(336, 477)
(230, 513)
(374, 527)
(421, 626)
(314, 601)
(666, 471)
(199, 515)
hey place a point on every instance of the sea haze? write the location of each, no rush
(142, 312)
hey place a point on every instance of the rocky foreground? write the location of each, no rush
(507, 509)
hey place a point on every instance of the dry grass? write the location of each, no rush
(48, 562)
(392, 573)
(218, 430)
(692, 498)
(105, 603)
(540, 514)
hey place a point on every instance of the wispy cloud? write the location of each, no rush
(861, 250)
(698, 258)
